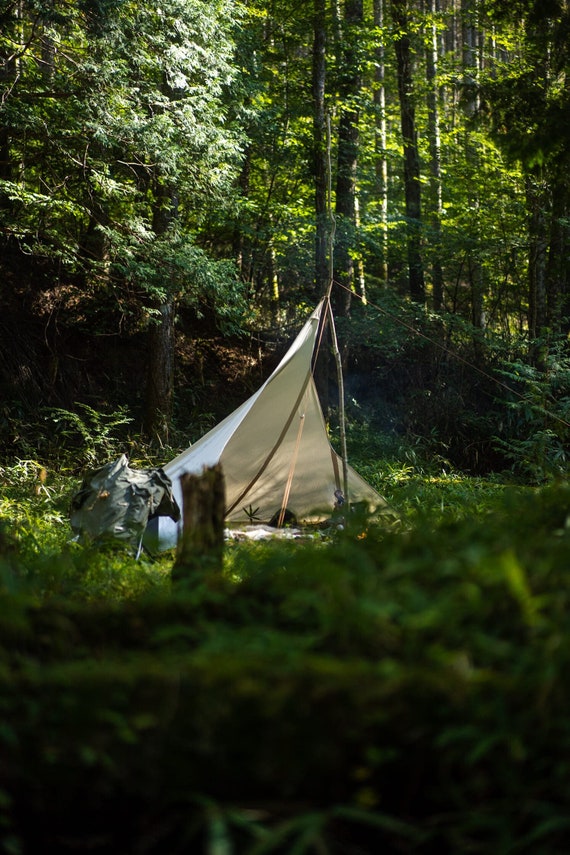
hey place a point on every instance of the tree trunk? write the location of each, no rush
(243, 256)
(8, 77)
(160, 374)
(161, 337)
(380, 142)
(322, 178)
(345, 211)
(472, 40)
(201, 549)
(536, 194)
(320, 147)
(434, 135)
(557, 275)
(347, 158)
(412, 186)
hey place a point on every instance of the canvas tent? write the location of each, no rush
(274, 451)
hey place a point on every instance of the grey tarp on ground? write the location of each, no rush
(116, 502)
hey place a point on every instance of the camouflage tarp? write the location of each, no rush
(116, 502)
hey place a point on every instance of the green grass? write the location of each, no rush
(399, 689)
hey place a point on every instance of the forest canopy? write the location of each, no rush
(179, 183)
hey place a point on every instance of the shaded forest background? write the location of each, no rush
(179, 186)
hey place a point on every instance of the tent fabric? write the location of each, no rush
(116, 502)
(275, 443)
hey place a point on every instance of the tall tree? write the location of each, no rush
(161, 336)
(434, 135)
(321, 153)
(412, 177)
(472, 38)
(528, 97)
(281, 51)
(350, 84)
(176, 64)
(381, 133)
(120, 122)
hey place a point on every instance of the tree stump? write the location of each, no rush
(201, 548)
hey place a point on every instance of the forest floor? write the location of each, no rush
(380, 688)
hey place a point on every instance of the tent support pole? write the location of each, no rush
(341, 413)
(335, 347)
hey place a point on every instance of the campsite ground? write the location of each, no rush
(373, 688)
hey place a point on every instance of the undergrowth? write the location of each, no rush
(398, 689)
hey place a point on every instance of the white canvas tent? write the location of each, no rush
(274, 451)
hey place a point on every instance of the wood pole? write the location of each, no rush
(335, 347)
(341, 413)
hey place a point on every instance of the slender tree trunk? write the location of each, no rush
(557, 273)
(434, 134)
(160, 374)
(412, 185)
(380, 142)
(322, 178)
(360, 278)
(451, 39)
(161, 337)
(476, 282)
(548, 195)
(345, 211)
(347, 158)
(8, 75)
(273, 277)
(471, 57)
(471, 38)
(537, 203)
(320, 146)
(47, 55)
(239, 250)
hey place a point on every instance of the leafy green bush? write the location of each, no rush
(534, 435)
(69, 439)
